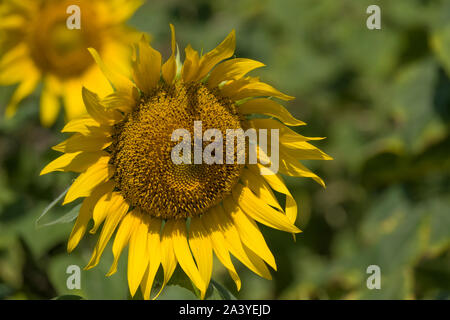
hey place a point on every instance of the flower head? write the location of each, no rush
(181, 213)
(38, 45)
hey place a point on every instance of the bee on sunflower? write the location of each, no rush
(37, 46)
(169, 213)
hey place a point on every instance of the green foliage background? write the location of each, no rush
(382, 99)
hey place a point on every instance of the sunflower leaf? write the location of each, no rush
(66, 218)
(215, 290)
(218, 292)
(179, 278)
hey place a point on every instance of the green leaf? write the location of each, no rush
(218, 292)
(439, 228)
(412, 104)
(440, 42)
(179, 278)
(215, 290)
(66, 218)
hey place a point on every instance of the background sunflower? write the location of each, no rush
(381, 98)
(36, 46)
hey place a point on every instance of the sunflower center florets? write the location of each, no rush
(141, 152)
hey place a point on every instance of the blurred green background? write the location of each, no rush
(382, 99)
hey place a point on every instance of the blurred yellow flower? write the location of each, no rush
(37, 45)
(170, 213)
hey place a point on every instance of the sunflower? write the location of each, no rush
(37, 46)
(168, 213)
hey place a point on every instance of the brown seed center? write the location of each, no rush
(141, 152)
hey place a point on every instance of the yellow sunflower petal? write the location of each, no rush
(118, 81)
(85, 214)
(147, 67)
(94, 142)
(169, 68)
(87, 181)
(233, 240)
(232, 70)
(97, 111)
(249, 232)
(223, 51)
(50, 101)
(15, 65)
(287, 136)
(73, 102)
(118, 11)
(292, 143)
(118, 209)
(147, 283)
(14, 21)
(81, 125)
(121, 101)
(190, 65)
(75, 162)
(258, 210)
(292, 167)
(12, 73)
(291, 139)
(251, 87)
(219, 246)
(168, 259)
(305, 151)
(201, 249)
(271, 108)
(101, 209)
(259, 264)
(276, 183)
(183, 254)
(25, 88)
(116, 55)
(126, 228)
(137, 254)
(154, 252)
(257, 184)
